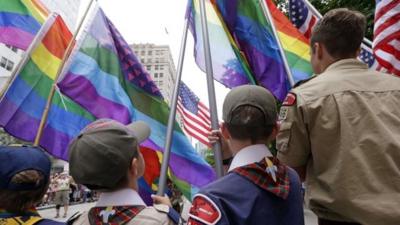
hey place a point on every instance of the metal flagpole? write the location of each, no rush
(267, 14)
(171, 120)
(53, 88)
(368, 43)
(35, 42)
(211, 90)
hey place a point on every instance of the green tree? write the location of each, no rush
(367, 7)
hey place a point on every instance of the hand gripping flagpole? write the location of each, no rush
(211, 90)
(366, 42)
(268, 16)
(53, 88)
(35, 42)
(172, 113)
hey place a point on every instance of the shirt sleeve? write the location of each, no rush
(293, 140)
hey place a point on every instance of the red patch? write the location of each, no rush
(203, 211)
(289, 100)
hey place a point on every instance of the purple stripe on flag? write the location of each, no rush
(80, 89)
(269, 72)
(191, 169)
(57, 141)
(15, 37)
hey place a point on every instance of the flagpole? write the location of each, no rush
(268, 16)
(53, 88)
(211, 90)
(35, 42)
(319, 15)
(172, 114)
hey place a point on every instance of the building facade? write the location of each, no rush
(157, 60)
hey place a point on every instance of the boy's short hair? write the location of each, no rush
(24, 177)
(341, 31)
(250, 112)
(100, 156)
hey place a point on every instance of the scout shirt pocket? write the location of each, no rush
(283, 138)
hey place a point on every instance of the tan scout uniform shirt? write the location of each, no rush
(344, 125)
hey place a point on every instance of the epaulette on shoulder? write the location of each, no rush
(304, 81)
(172, 214)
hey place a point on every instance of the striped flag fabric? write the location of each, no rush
(195, 115)
(305, 20)
(229, 68)
(386, 42)
(23, 105)
(302, 17)
(247, 23)
(106, 79)
(20, 20)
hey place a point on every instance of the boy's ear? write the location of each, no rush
(225, 132)
(134, 167)
(275, 131)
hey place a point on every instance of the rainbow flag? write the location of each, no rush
(229, 67)
(22, 107)
(253, 34)
(20, 20)
(106, 79)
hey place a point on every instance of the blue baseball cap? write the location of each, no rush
(15, 159)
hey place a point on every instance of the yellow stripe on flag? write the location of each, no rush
(46, 62)
(295, 46)
(39, 16)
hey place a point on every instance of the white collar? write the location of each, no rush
(248, 155)
(120, 198)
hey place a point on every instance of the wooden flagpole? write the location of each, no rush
(53, 88)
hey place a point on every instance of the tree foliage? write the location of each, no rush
(367, 7)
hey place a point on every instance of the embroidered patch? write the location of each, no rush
(283, 113)
(289, 100)
(203, 211)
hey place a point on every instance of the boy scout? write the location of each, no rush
(341, 129)
(106, 157)
(258, 189)
(24, 179)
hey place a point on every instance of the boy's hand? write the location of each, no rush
(161, 200)
(214, 136)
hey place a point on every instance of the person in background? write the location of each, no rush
(62, 191)
(24, 179)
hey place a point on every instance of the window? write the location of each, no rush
(158, 52)
(161, 75)
(14, 49)
(148, 60)
(148, 67)
(156, 75)
(156, 67)
(142, 52)
(3, 62)
(150, 52)
(161, 67)
(10, 65)
(142, 60)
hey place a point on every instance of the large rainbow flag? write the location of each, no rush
(106, 79)
(22, 107)
(20, 20)
(253, 34)
(229, 66)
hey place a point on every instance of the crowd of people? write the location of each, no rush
(339, 132)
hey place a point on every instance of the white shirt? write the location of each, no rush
(248, 155)
(121, 197)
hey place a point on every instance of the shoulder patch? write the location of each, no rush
(290, 99)
(203, 211)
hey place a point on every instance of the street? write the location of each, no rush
(310, 218)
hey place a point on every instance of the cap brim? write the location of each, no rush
(140, 129)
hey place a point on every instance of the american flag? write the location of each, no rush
(305, 20)
(302, 17)
(195, 115)
(386, 43)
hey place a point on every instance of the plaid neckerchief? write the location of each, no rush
(259, 174)
(28, 217)
(113, 215)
